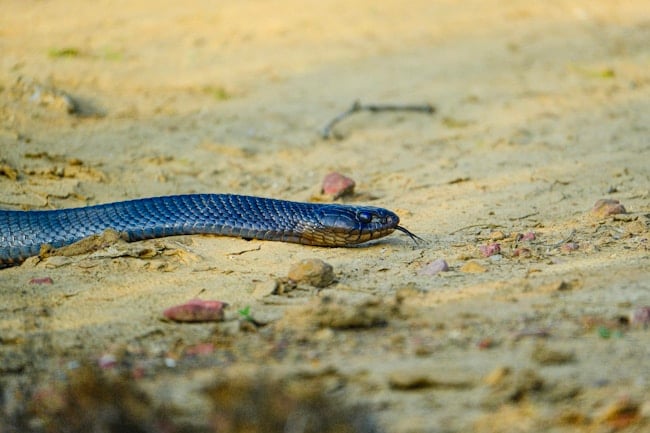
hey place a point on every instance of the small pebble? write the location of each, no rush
(485, 343)
(490, 249)
(530, 236)
(569, 246)
(497, 236)
(606, 207)
(522, 252)
(43, 280)
(435, 267)
(314, 272)
(337, 185)
(201, 349)
(473, 268)
(196, 310)
(641, 316)
(107, 361)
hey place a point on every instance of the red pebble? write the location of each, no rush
(490, 249)
(43, 280)
(337, 185)
(530, 236)
(196, 310)
(200, 349)
(485, 343)
(641, 316)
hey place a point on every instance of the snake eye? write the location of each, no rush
(364, 217)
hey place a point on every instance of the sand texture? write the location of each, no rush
(541, 323)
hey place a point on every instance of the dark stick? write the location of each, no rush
(373, 108)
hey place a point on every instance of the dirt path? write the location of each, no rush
(541, 110)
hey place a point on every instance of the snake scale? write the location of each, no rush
(22, 233)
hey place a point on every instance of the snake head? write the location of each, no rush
(383, 222)
(341, 225)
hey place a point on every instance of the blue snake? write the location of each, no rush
(23, 233)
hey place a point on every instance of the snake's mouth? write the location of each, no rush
(342, 238)
(376, 234)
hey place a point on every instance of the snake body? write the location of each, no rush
(22, 233)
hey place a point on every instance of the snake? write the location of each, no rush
(24, 233)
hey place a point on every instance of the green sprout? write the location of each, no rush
(245, 313)
(64, 52)
(217, 92)
(604, 332)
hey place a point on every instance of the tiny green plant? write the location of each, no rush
(217, 92)
(64, 52)
(245, 313)
(604, 332)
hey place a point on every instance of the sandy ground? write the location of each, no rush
(542, 109)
